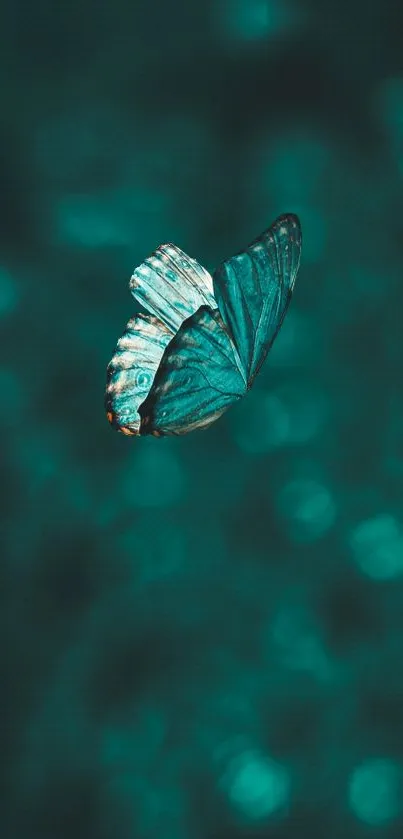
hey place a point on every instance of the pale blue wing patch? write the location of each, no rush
(172, 286)
(253, 290)
(197, 380)
(131, 371)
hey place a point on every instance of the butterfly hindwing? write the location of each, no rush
(132, 370)
(172, 286)
(253, 290)
(197, 380)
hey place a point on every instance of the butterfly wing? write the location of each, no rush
(183, 365)
(197, 380)
(131, 371)
(172, 286)
(253, 290)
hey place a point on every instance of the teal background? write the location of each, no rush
(202, 637)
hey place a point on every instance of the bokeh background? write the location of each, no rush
(202, 637)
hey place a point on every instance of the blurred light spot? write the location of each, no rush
(254, 20)
(309, 508)
(155, 477)
(84, 221)
(8, 293)
(106, 219)
(300, 645)
(375, 791)
(377, 545)
(124, 745)
(256, 785)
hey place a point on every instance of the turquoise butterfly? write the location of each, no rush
(198, 351)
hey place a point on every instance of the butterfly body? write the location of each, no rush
(203, 343)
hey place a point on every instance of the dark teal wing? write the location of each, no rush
(131, 371)
(253, 290)
(172, 286)
(197, 380)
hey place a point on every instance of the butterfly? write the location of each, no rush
(205, 338)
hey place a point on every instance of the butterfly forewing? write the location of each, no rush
(172, 286)
(197, 380)
(253, 290)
